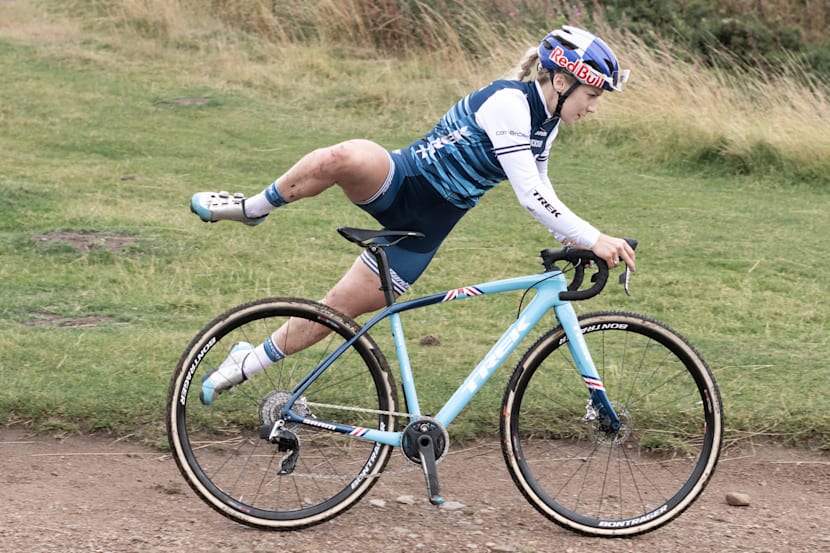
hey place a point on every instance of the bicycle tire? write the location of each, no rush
(218, 448)
(632, 481)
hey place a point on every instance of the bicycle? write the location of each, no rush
(611, 423)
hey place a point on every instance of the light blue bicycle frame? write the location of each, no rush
(547, 287)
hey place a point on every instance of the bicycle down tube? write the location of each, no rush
(547, 286)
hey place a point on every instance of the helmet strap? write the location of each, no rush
(562, 96)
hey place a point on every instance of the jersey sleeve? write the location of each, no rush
(505, 116)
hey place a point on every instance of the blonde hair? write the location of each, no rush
(529, 63)
(521, 70)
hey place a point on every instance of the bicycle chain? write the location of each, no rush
(411, 468)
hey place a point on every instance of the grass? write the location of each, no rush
(109, 133)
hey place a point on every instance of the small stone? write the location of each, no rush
(452, 506)
(737, 499)
(405, 500)
(377, 503)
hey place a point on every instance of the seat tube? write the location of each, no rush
(407, 380)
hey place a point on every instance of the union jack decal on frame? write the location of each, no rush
(593, 383)
(358, 432)
(466, 292)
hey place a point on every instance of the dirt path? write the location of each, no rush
(92, 494)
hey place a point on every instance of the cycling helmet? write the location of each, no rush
(583, 55)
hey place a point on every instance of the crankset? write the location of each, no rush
(425, 442)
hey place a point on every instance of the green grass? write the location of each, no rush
(93, 141)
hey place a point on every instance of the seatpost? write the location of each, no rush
(385, 273)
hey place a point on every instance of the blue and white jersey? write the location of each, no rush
(502, 131)
(460, 159)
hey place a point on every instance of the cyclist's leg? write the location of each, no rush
(402, 201)
(360, 167)
(356, 293)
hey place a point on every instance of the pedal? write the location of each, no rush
(426, 450)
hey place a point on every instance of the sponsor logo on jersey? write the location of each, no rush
(441, 141)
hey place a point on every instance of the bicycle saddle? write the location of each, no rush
(365, 237)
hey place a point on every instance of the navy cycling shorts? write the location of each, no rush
(406, 201)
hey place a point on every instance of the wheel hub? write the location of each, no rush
(604, 435)
(272, 405)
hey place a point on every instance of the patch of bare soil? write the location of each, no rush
(197, 101)
(87, 241)
(98, 494)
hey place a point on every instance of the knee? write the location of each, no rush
(345, 157)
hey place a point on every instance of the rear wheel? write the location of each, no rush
(619, 483)
(218, 448)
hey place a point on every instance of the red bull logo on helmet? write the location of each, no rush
(584, 73)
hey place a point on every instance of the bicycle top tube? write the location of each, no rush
(375, 242)
(548, 285)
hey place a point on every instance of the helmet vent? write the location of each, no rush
(567, 43)
(610, 66)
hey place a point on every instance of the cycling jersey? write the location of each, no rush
(502, 131)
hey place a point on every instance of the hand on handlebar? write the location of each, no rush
(579, 258)
(613, 250)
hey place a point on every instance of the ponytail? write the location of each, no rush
(523, 69)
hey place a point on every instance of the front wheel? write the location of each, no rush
(599, 482)
(219, 449)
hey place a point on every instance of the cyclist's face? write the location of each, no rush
(580, 103)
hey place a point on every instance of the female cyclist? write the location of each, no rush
(502, 131)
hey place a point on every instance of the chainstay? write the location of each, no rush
(411, 467)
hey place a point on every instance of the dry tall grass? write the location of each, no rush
(673, 111)
(738, 115)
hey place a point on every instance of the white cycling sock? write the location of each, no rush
(263, 356)
(265, 202)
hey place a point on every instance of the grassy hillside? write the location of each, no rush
(734, 117)
(113, 113)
